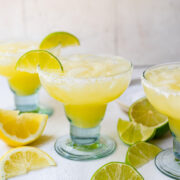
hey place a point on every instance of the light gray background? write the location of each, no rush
(144, 31)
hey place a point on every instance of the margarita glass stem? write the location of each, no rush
(84, 122)
(174, 127)
(84, 136)
(176, 147)
(27, 103)
(30, 103)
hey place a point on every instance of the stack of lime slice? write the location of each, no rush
(145, 123)
(144, 113)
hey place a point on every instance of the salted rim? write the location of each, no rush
(159, 90)
(32, 45)
(63, 78)
(5, 56)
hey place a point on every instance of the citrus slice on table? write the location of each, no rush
(141, 153)
(18, 161)
(132, 132)
(116, 171)
(59, 38)
(20, 129)
(144, 113)
(31, 60)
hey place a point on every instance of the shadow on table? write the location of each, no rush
(163, 140)
(42, 140)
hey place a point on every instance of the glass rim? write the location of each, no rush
(129, 69)
(19, 51)
(22, 51)
(157, 88)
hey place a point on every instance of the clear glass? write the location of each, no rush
(85, 100)
(30, 103)
(166, 101)
(25, 86)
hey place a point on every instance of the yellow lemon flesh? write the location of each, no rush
(20, 129)
(20, 160)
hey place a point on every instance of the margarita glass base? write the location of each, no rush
(31, 104)
(167, 163)
(84, 144)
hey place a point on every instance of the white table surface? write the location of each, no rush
(58, 125)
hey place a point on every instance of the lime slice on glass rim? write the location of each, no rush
(31, 60)
(59, 38)
(116, 171)
(132, 132)
(144, 113)
(141, 153)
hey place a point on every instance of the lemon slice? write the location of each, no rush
(144, 113)
(117, 171)
(20, 129)
(132, 132)
(20, 160)
(30, 61)
(63, 39)
(141, 153)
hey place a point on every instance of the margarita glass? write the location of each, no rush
(24, 85)
(162, 87)
(85, 87)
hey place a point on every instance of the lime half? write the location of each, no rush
(59, 38)
(32, 59)
(132, 132)
(144, 113)
(117, 171)
(141, 153)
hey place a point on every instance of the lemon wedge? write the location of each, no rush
(21, 129)
(20, 160)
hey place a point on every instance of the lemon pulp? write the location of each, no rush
(20, 129)
(21, 160)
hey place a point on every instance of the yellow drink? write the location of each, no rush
(162, 88)
(22, 83)
(87, 84)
